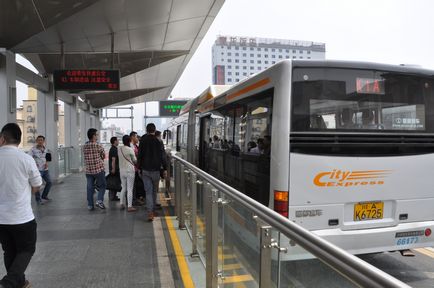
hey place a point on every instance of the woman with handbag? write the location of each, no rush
(127, 160)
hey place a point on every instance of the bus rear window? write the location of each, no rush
(351, 100)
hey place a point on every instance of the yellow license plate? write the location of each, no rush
(368, 211)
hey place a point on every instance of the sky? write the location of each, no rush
(384, 31)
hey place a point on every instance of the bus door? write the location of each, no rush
(205, 142)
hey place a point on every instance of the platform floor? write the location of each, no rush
(101, 248)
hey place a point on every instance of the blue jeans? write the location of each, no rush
(46, 176)
(149, 179)
(100, 185)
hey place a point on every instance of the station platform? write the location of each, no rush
(104, 248)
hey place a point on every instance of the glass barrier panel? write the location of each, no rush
(61, 159)
(299, 268)
(187, 201)
(202, 192)
(240, 245)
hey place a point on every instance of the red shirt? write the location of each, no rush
(93, 157)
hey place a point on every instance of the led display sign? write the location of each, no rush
(86, 80)
(369, 86)
(171, 108)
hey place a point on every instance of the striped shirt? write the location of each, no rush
(93, 157)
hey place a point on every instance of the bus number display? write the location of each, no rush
(369, 86)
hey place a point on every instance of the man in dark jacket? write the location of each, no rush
(113, 163)
(151, 159)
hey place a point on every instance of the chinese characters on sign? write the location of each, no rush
(90, 80)
(171, 108)
(369, 86)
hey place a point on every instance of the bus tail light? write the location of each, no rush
(427, 232)
(281, 202)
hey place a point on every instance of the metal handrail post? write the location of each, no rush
(177, 178)
(181, 214)
(193, 219)
(211, 214)
(265, 255)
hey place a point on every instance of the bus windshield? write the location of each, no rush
(352, 100)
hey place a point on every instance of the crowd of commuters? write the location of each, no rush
(140, 160)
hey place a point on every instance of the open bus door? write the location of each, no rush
(204, 142)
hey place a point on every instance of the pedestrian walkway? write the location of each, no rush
(101, 248)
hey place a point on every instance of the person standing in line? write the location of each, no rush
(19, 177)
(113, 163)
(138, 193)
(39, 153)
(94, 162)
(151, 159)
(127, 161)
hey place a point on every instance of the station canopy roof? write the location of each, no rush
(153, 40)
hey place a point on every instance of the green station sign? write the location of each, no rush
(171, 108)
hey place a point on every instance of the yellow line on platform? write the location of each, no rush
(232, 266)
(237, 279)
(425, 252)
(180, 256)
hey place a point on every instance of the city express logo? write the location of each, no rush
(343, 178)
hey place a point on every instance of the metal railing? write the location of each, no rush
(220, 218)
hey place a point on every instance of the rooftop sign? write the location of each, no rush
(88, 80)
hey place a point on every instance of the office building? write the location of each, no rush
(235, 58)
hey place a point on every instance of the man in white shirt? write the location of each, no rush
(19, 177)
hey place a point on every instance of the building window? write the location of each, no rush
(237, 67)
(251, 48)
(237, 73)
(251, 73)
(237, 61)
(265, 49)
(273, 56)
(237, 48)
(229, 54)
(229, 73)
(223, 60)
(229, 79)
(259, 55)
(252, 55)
(244, 67)
(229, 67)
(251, 67)
(293, 51)
(29, 130)
(223, 53)
(237, 80)
(259, 49)
(280, 56)
(266, 62)
(229, 60)
(293, 57)
(222, 47)
(280, 50)
(244, 61)
(29, 108)
(272, 50)
(266, 55)
(308, 52)
(274, 62)
(301, 51)
(259, 68)
(244, 74)
(244, 48)
(287, 57)
(244, 54)
(308, 57)
(252, 61)
(301, 57)
(237, 54)
(259, 61)
(287, 50)
(230, 47)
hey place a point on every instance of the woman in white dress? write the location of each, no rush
(127, 160)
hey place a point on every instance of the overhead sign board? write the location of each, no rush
(171, 108)
(86, 80)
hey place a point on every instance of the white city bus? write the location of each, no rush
(345, 149)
